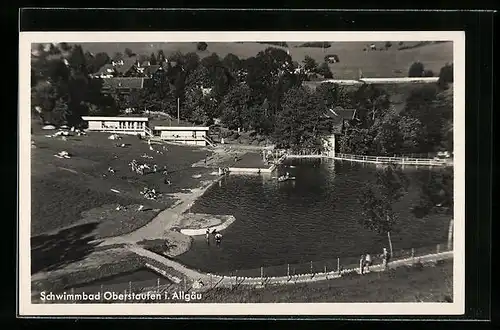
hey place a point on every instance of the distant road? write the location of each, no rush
(395, 80)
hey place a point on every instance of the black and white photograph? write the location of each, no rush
(242, 173)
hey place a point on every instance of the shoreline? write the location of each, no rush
(202, 231)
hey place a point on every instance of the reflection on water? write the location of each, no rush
(314, 217)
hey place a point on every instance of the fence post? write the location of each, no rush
(437, 248)
(288, 270)
(211, 282)
(412, 253)
(262, 274)
(130, 287)
(158, 285)
(338, 265)
(311, 267)
(102, 291)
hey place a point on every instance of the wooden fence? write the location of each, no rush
(396, 160)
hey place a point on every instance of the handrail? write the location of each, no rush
(388, 159)
(148, 131)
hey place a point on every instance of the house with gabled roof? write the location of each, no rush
(339, 118)
(106, 71)
(122, 85)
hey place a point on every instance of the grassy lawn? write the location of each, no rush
(405, 284)
(390, 63)
(72, 203)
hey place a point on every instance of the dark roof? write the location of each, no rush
(128, 63)
(132, 83)
(340, 113)
(104, 69)
(151, 69)
(338, 116)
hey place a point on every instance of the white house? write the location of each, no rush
(192, 135)
(121, 125)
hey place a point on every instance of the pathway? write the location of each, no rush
(160, 227)
(230, 281)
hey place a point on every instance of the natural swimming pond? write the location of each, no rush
(314, 218)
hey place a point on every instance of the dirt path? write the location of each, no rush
(161, 226)
(192, 274)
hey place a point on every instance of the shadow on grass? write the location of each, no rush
(54, 251)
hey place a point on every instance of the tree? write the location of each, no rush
(332, 95)
(199, 78)
(117, 56)
(416, 70)
(59, 113)
(152, 59)
(161, 57)
(64, 46)
(370, 103)
(98, 61)
(446, 75)
(324, 70)
(196, 105)
(202, 46)
(436, 192)
(300, 123)
(377, 200)
(191, 62)
(310, 64)
(129, 52)
(235, 107)
(232, 62)
(388, 45)
(423, 104)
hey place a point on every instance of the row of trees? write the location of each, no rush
(61, 86)
(424, 125)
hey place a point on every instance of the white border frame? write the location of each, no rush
(26, 308)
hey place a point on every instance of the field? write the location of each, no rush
(379, 63)
(72, 203)
(405, 284)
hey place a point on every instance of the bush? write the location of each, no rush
(416, 70)
(446, 75)
(325, 71)
(202, 46)
(388, 45)
(428, 73)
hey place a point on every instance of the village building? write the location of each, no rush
(190, 135)
(340, 120)
(122, 85)
(120, 125)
